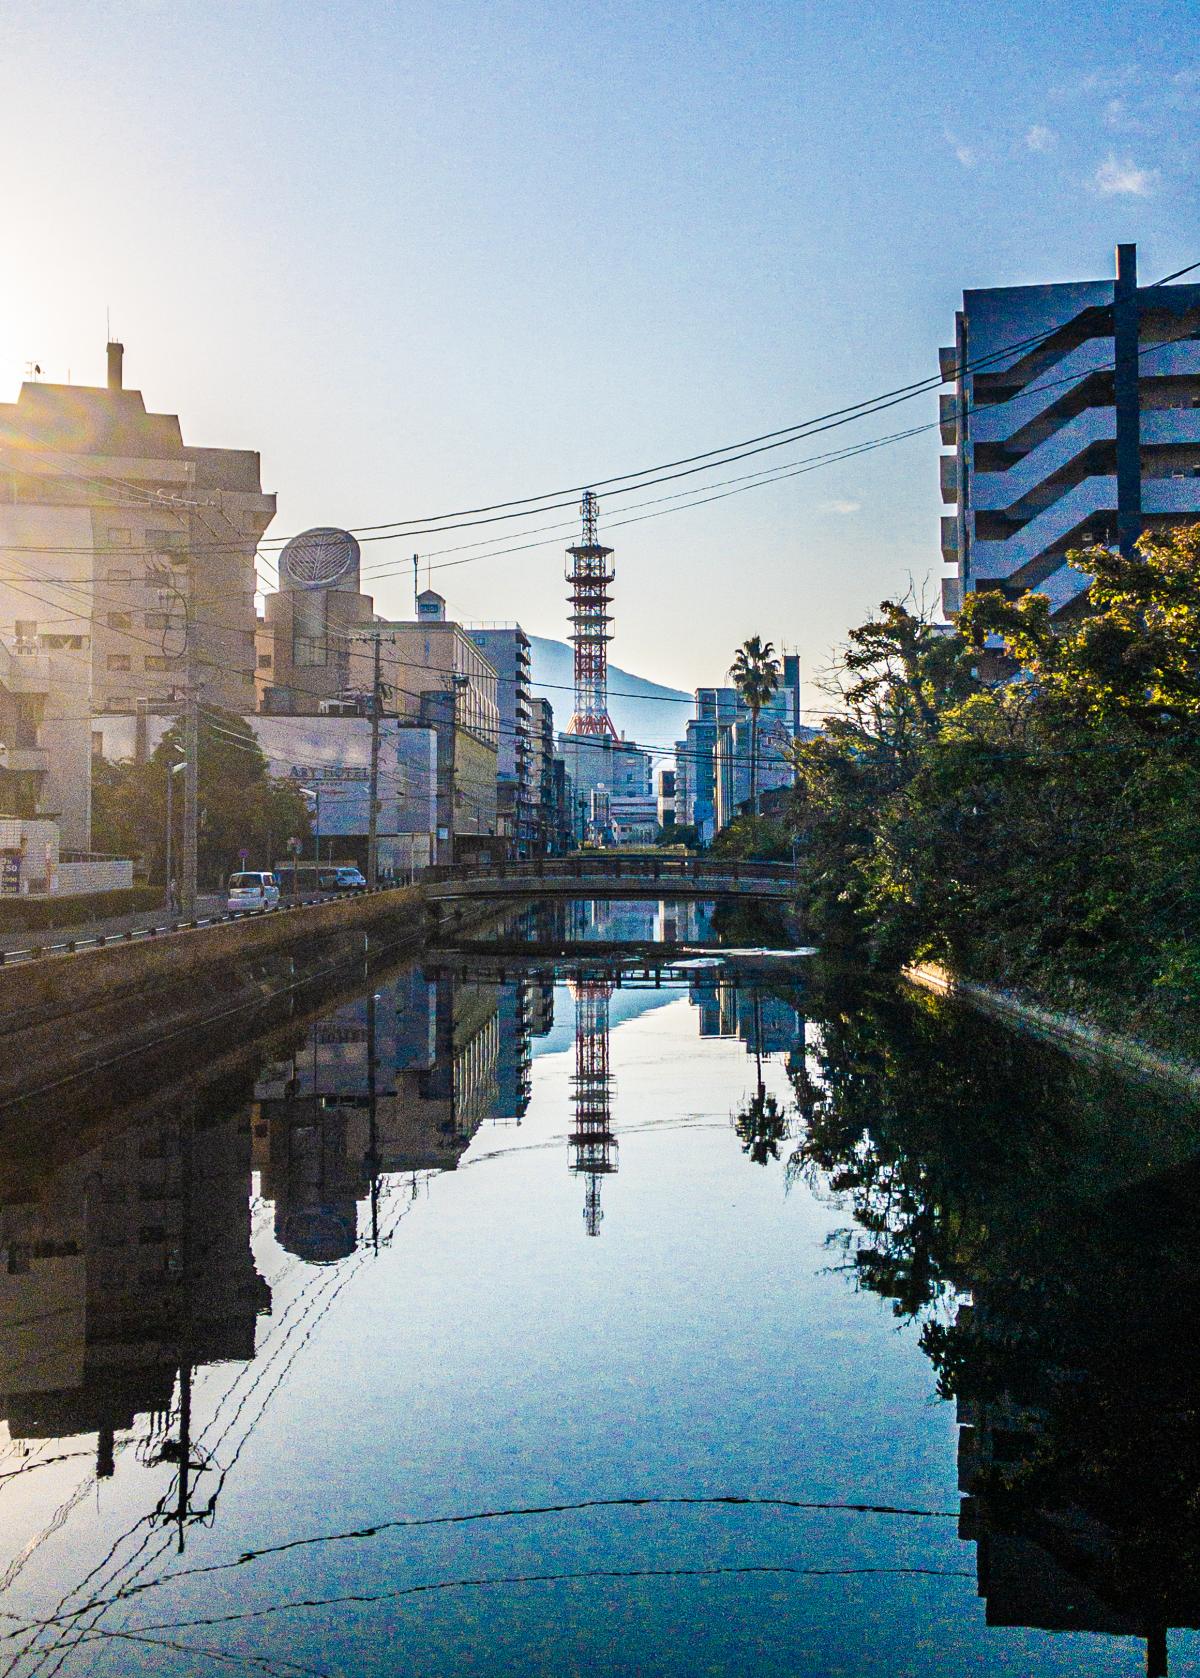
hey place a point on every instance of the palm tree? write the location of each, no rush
(755, 673)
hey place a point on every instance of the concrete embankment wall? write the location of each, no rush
(66, 1016)
(1077, 1035)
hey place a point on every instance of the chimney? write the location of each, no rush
(116, 353)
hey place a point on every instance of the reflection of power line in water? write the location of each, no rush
(742, 1570)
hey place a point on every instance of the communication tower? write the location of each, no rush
(590, 575)
(593, 1145)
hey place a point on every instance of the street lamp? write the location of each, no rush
(172, 771)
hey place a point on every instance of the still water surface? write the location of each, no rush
(515, 1316)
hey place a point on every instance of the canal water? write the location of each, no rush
(661, 1311)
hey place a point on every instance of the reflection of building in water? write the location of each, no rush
(593, 1145)
(396, 1081)
(525, 1010)
(628, 920)
(121, 1268)
(765, 1023)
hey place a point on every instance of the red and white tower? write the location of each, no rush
(590, 575)
(593, 1145)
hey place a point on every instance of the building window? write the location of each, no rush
(265, 661)
(120, 620)
(120, 576)
(119, 661)
(155, 661)
(118, 538)
(165, 541)
(59, 643)
(25, 629)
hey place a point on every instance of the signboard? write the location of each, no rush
(10, 873)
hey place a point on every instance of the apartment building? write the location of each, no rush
(507, 650)
(126, 549)
(1074, 420)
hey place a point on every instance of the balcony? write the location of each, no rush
(997, 421)
(1085, 503)
(948, 418)
(1165, 426)
(948, 363)
(950, 539)
(997, 491)
(948, 475)
(1176, 494)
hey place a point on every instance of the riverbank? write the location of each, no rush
(1074, 1032)
(87, 1014)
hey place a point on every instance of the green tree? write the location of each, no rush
(755, 673)
(241, 806)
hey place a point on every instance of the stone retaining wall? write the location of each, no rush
(1070, 1031)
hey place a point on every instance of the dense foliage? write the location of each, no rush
(1034, 826)
(241, 805)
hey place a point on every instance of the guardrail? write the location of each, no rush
(616, 868)
(105, 940)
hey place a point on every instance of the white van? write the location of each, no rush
(252, 891)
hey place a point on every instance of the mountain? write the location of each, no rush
(647, 712)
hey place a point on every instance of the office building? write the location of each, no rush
(116, 535)
(1074, 420)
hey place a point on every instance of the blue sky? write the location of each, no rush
(429, 255)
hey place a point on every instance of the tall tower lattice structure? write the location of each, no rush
(593, 1145)
(590, 575)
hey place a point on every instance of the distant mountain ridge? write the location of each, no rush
(641, 710)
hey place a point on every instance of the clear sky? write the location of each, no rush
(427, 255)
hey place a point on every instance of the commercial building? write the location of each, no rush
(115, 535)
(312, 625)
(712, 763)
(507, 650)
(1074, 420)
(600, 764)
(317, 647)
(330, 757)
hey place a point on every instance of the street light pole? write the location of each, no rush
(172, 770)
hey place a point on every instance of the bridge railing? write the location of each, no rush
(613, 868)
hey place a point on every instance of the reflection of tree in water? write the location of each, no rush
(1065, 1203)
(762, 1124)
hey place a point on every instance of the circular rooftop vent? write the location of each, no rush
(318, 558)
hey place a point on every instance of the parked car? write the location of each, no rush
(252, 891)
(343, 878)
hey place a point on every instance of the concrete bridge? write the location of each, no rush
(598, 876)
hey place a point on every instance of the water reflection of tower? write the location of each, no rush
(593, 1145)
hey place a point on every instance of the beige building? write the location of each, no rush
(115, 536)
(45, 741)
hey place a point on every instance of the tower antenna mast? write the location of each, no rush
(590, 575)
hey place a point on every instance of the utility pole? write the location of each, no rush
(191, 798)
(373, 815)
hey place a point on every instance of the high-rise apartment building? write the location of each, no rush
(127, 549)
(1075, 420)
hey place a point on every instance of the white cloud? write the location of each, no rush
(1113, 177)
(841, 506)
(966, 155)
(1040, 138)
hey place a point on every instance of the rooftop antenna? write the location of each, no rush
(416, 584)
